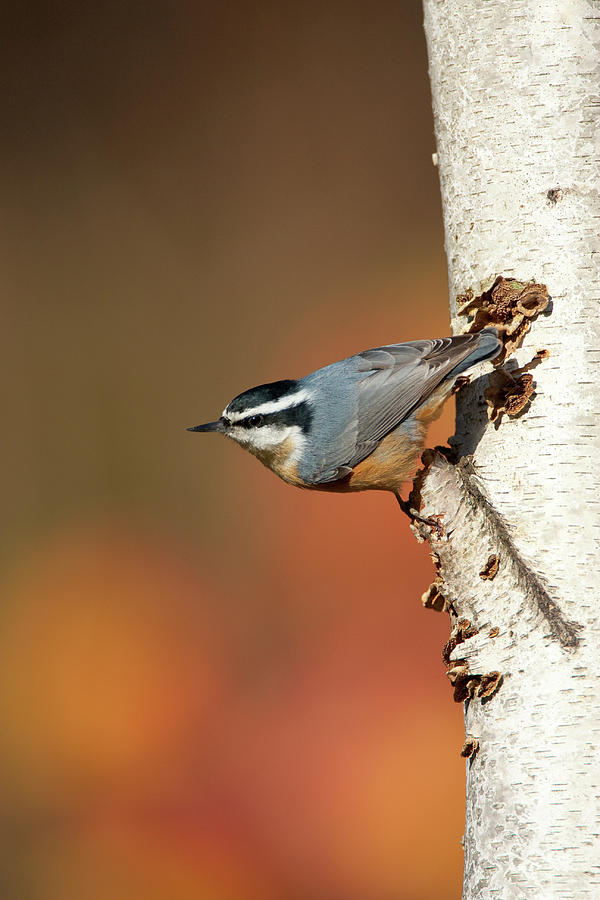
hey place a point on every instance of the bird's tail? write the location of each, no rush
(487, 346)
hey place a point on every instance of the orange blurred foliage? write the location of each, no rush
(212, 685)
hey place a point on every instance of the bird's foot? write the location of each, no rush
(433, 522)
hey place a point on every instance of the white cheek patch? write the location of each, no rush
(269, 437)
(263, 438)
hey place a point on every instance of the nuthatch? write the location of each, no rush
(358, 424)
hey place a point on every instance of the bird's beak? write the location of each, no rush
(210, 426)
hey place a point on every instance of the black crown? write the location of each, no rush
(264, 393)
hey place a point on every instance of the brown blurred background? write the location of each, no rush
(212, 685)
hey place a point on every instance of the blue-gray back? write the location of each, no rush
(361, 399)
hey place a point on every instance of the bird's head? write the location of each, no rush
(272, 421)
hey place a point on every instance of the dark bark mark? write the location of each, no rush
(561, 628)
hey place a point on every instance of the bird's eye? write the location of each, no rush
(255, 421)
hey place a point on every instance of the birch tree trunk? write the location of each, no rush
(516, 96)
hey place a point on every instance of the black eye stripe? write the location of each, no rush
(300, 415)
(250, 422)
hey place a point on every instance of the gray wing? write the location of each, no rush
(391, 382)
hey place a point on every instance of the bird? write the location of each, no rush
(358, 424)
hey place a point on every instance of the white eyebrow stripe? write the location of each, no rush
(286, 402)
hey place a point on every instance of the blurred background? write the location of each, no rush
(212, 685)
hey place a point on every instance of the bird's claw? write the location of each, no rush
(433, 522)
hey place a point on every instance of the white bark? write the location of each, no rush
(516, 94)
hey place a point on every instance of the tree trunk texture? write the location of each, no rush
(516, 98)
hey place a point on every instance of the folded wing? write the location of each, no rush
(393, 382)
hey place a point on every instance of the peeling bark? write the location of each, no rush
(516, 96)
